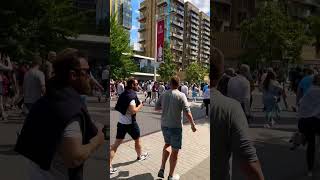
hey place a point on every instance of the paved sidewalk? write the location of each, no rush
(195, 150)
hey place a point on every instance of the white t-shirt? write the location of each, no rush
(184, 89)
(127, 119)
(149, 88)
(120, 88)
(58, 170)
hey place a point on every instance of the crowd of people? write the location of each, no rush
(58, 134)
(171, 102)
(231, 107)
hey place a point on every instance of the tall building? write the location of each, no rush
(123, 8)
(147, 28)
(191, 34)
(182, 29)
(101, 10)
(204, 43)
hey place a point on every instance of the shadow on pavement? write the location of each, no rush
(8, 150)
(146, 176)
(278, 162)
(124, 164)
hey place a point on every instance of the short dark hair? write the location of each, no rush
(37, 60)
(68, 59)
(130, 82)
(175, 81)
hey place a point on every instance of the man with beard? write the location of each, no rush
(128, 105)
(58, 135)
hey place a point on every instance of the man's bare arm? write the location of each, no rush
(252, 170)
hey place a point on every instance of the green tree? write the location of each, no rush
(167, 69)
(38, 26)
(195, 72)
(314, 24)
(120, 51)
(273, 35)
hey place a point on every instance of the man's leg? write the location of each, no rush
(165, 155)
(173, 160)
(113, 149)
(138, 147)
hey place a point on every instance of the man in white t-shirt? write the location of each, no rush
(184, 89)
(127, 121)
(120, 88)
(149, 92)
(239, 89)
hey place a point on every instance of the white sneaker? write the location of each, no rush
(113, 170)
(266, 126)
(175, 177)
(143, 157)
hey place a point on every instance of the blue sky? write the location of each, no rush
(203, 5)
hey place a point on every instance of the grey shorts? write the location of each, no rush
(172, 136)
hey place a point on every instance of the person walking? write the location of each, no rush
(58, 135)
(239, 89)
(128, 105)
(149, 91)
(185, 89)
(173, 103)
(272, 92)
(309, 119)
(120, 88)
(230, 132)
(161, 89)
(5, 66)
(206, 100)
(223, 83)
(34, 83)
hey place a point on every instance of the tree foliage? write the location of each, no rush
(195, 72)
(273, 35)
(120, 51)
(167, 69)
(314, 31)
(37, 26)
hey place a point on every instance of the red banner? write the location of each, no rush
(160, 41)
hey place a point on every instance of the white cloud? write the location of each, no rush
(203, 5)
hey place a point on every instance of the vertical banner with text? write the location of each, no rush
(160, 41)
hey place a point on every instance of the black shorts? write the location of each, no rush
(132, 129)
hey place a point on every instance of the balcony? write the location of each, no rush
(141, 18)
(194, 37)
(142, 5)
(195, 32)
(194, 48)
(161, 2)
(206, 52)
(194, 42)
(195, 22)
(142, 28)
(195, 27)
(192, 52)
(177, 23)
(176, 48)
(176, 35)
(195, 16)
(141, 40)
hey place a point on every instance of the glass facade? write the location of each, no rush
(126, 13)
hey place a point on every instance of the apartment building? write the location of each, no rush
(191, 34)
(186, 28)
(204, 43)
(172, 12)
(123, 8)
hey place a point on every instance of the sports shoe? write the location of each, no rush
(113, 170)
(161, 173)
(143, 157)
(266, 126)
(175, 177)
